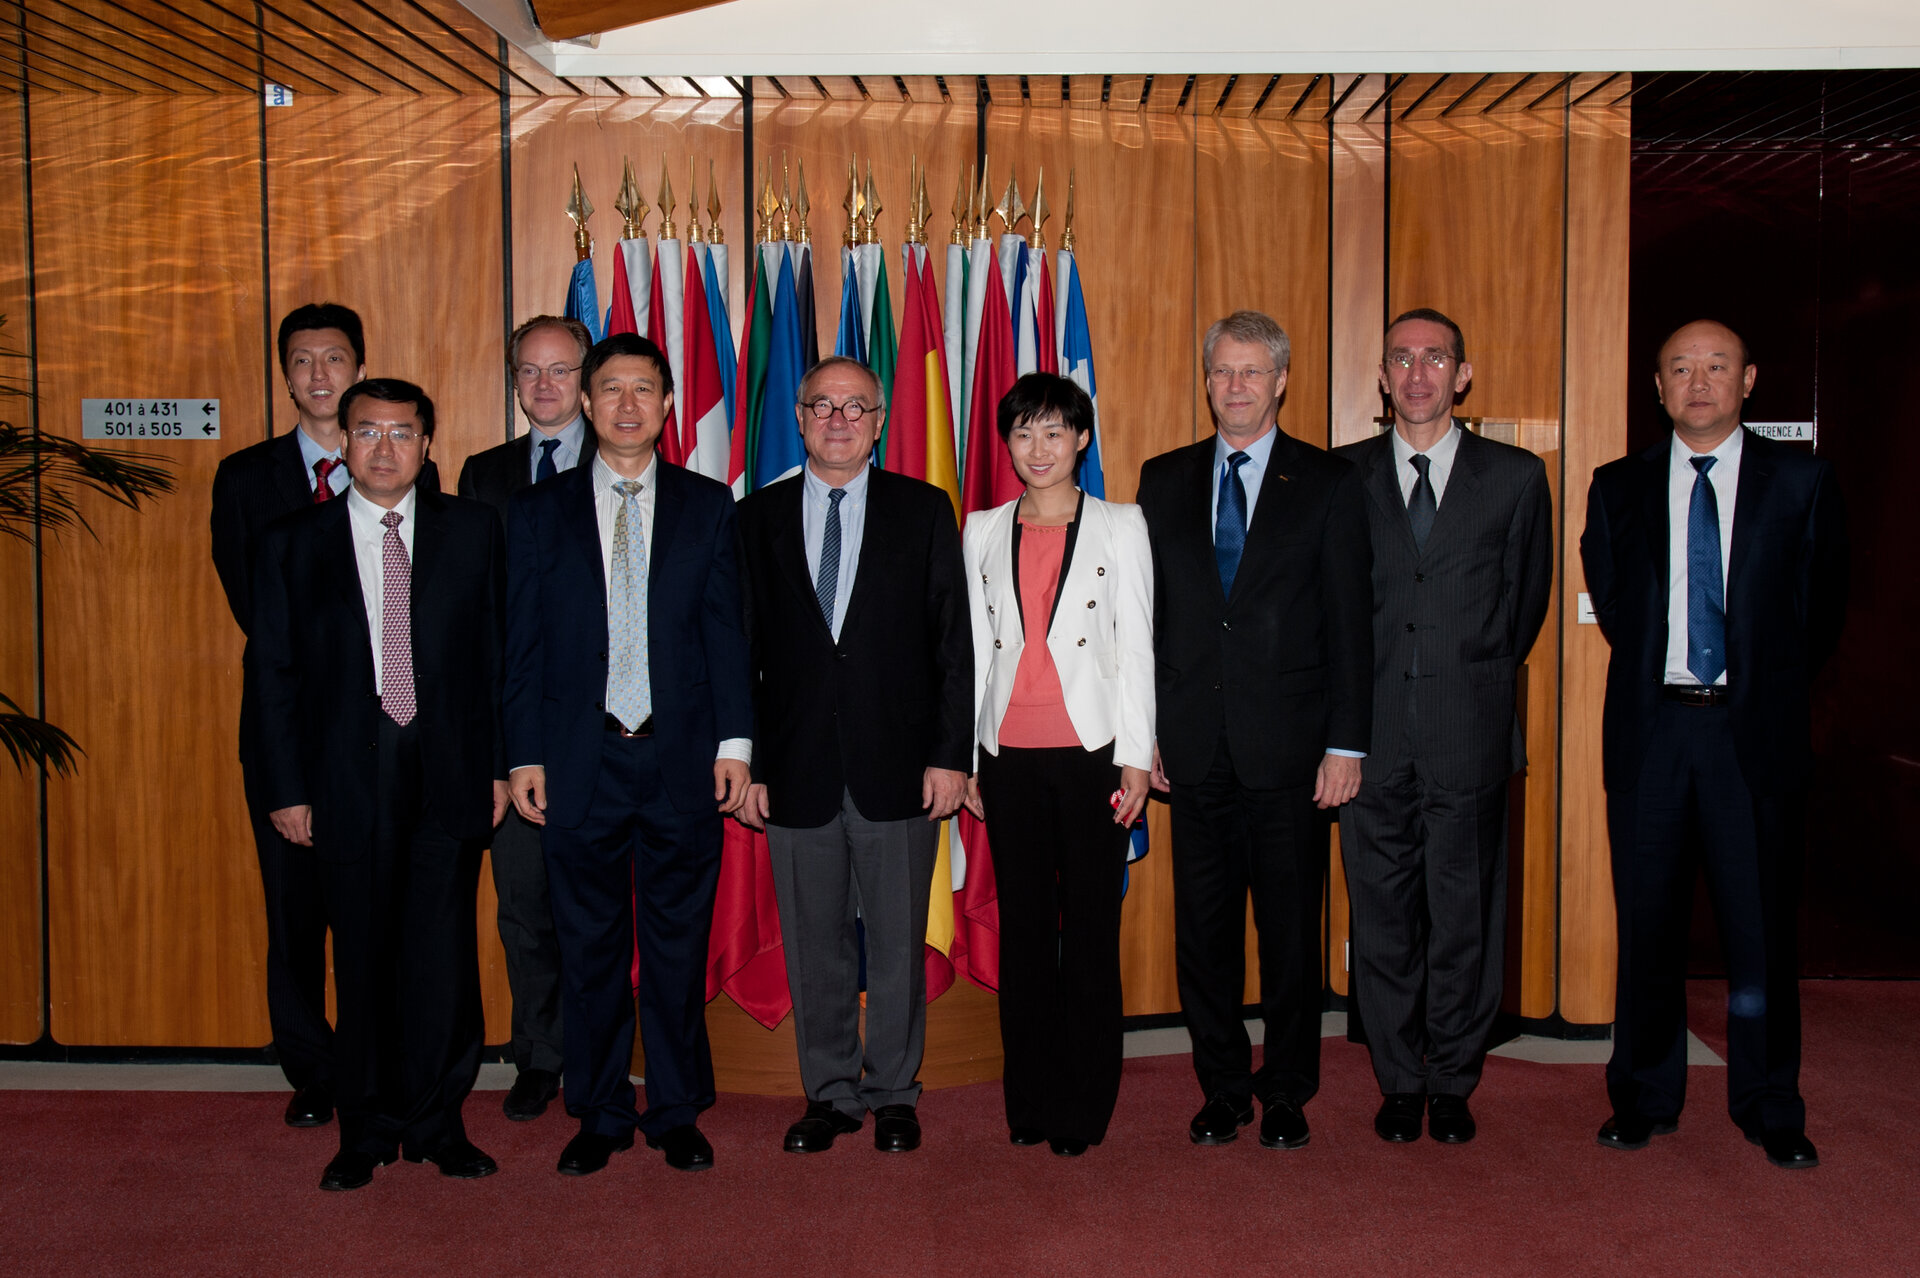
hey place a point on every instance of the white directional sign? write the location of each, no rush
(150, 418)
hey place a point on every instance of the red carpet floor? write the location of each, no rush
(191, 1183)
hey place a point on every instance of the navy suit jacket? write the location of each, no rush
(1786, 597)
(557, 636)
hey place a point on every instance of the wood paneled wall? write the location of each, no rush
(155, 274)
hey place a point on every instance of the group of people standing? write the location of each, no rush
(590, 658)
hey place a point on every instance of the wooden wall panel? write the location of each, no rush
(1134, 231)
(22, 948)
(391, 205)
(1476, 229)
(1597, 387)
(146, 221)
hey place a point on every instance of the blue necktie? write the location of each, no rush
(546, 469)
(1230, 523)
(828, 578)
(1706, 593)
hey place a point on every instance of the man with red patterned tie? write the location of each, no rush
(379, 626)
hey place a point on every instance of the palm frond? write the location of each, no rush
(30, 739)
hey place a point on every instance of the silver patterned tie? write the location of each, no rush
(629, 690)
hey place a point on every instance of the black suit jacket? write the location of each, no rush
(1464, 612)
(894, 697)
(557, 636)
(1284, 667)
(495, 475)
(1785, 601)
(315, 676)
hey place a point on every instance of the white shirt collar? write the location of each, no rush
(605, 477)
(1727, 451)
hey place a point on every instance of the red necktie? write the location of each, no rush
(396, 624)
(323, 472)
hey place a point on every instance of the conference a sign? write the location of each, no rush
(150, 419)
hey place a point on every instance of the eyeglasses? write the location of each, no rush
(399, 436)
(1436, 360)
(552, 372)
(1227, 376)
(853, 410)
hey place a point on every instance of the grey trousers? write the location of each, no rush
(533, 952)
(823, 877)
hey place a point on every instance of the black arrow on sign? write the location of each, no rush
(209, 409)
(210, 429)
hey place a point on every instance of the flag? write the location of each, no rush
(988, 479)
(919, 423)
(632, 287)
(583, 297)
(803, 291)
(665, 329)
(776, 450)
(882, 350)
(702, 399)
(956, 341)
(718, 281)
(852, 339)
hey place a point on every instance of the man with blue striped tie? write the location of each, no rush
(1717, 566)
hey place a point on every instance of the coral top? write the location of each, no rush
(1036, 717)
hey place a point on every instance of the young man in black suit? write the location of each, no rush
(544, 356)
(1717, 565)
(863, 678)
(629, 732)
(379, 624)
(1462, 574)
(1263, 640)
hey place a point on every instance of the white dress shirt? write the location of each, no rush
(571, 436)
(1252, 471)
(311, 454)
(606, 505)
(814, 503)
(1725, 478)
(1439, 464)
(369, 556)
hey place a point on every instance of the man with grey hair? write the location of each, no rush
(1264, 645)
(863, 685)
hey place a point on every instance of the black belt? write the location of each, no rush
(644, 730)
(1693, 694)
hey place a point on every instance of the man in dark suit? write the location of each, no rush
(1264, 686)
(544, 356)
(863, 664)
(629, 733)
(1717, 566)
(379, 623)
(1462, 574)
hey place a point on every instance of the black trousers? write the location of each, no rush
(406, 967)
(1230, 838)
(1692, 807)
(634, 846)
(296, 947)
(1059, 862)
(1427, 881)
(533, 950)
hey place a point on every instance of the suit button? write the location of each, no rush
(603, 656)
(1226, 625)
(1409, 627)
(1420, 577)
(597, 706)
(1081, 644)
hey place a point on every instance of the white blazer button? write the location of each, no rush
(1081, 644)
(1099, 572)
(996, 643)
(1089, 603)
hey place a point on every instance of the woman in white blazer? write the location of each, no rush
(1061, 588)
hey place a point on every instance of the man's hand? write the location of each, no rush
(528, 786)
(972, 801)
(1160, 781)
(730, 785)
(295, 824)
(1338, 780)
(754, 812)
(1133, 784)
(501, 798)
(941, 792)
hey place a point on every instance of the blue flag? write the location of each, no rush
(583, 299)
(722, 327)
(852, 340)
(779, 452)
(1076, 363)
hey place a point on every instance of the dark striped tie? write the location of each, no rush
(828, 578)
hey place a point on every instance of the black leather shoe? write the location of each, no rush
(588, 1152)
(1283, 1126)
(1220, 1120)
(350, 1169)
(311, 1107)
(816, 1130)
(1449, 1121)
(532, 1091)
(1633, 1131)
(459, 1159)
(1066, 1146)
(1026, 1135)
(686, 1149)
(1791, 1150)
(896, 1129)
(1399, 1117)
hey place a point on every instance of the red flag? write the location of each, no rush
(671, 448)
(990, 480)
(702, 401)
(620, 317)
(1047, 354)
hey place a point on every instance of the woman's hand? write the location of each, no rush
(1133, 783)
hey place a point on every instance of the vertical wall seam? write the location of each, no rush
(1560, 628)
(506, 232)
(37, 548)
(269, 345)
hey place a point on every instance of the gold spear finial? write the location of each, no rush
(873, 205)
(959, 209)
(916, 228)
(922, 207)
(714, 234)
(667, 228)
(1066, 234)
(631, 205)
(580, 208)
(852, 203)
(693, 203)
(786, 199)
(982, 211)
(769, 208)
(1011, 210)
(801, 204)
(1040, 211)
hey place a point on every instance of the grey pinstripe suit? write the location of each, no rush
(1425, 841)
